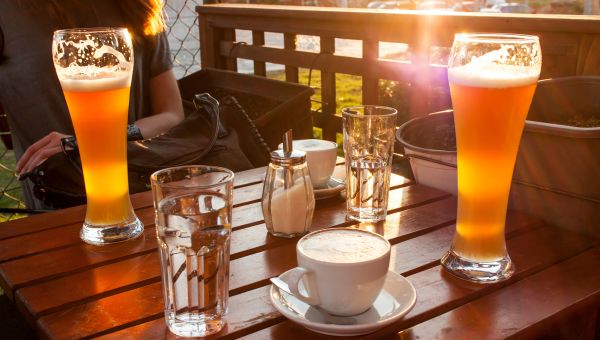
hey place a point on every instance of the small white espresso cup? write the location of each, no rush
(320, 157)
(342, 270)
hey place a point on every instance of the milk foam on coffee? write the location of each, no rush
(312, 145)
(343, 246)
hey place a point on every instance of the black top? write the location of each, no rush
(30, 92)
(29, 89)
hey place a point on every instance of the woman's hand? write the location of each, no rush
(39, 151)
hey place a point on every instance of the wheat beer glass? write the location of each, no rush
(492, 80)
(94, 67)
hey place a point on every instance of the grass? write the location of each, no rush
(10, 189)
(348, 92)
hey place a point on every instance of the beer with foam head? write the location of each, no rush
(489, 115)
(98, 109)
(492, 81)
(94, 67)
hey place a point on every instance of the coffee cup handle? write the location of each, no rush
(293, 280)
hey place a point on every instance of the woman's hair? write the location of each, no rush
(144, 17)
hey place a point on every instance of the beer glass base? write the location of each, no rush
(365, 215)
(108, 234)
(286, 235)
(193, 324)
(479, 272)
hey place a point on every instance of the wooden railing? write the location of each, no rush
(570, 46)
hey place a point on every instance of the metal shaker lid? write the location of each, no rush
(281, 158)
(288, 156)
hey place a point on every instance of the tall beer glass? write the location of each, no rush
(492, 80)
(94, 67)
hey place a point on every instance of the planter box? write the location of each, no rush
(557, 173)
(273, 105)
(430, 164)
(557, 177)
(559, 157)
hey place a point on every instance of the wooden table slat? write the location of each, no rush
(37, 299)
(73, 215)
(54, 263)
(533, 301)
(53, 239)
(253, 271)
(437, 291)
(72, 290)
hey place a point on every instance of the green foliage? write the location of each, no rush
(10, 189)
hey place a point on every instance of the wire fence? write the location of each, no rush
(184, 40)
(183, 35)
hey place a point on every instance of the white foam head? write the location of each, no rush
(97, 83)
(343, 246)
(313, 144)
(484, 72)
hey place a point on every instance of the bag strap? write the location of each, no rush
(1, 45)
(205, 102)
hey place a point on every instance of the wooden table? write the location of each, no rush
(67, 289)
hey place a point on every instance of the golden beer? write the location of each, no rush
(488, 123)
(492, 81)
(96, 108)
(94, 67)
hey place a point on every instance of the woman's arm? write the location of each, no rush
(167, 111)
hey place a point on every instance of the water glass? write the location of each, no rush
(368, 149)
(193, 226)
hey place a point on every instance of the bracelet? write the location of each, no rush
(68, 143)
(134, 133)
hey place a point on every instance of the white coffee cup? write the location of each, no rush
(342, 270)
(321, 156)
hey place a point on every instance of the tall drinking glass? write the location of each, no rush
(368, 149)
(193, 226)
(94, 67)
(492, 80)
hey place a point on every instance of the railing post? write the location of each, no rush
(370, 86)
(258, 39)
(289, 43)
(210, 39)
(209, 49)
(328, 92)
(230, 61)
(420, 91)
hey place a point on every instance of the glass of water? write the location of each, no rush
(368, 148)
(193, 226)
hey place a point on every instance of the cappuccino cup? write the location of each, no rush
(341, 270)
(320, 157)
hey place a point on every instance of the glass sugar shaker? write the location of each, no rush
(288, 201)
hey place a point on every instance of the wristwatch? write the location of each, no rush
(134, 133)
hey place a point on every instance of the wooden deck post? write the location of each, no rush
(328, 91)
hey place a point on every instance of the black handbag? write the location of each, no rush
(212, 133)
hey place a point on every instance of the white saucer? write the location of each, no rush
(334, 187)
(396, 299)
